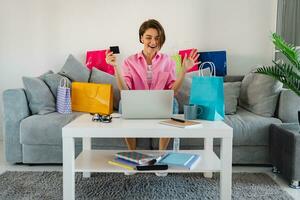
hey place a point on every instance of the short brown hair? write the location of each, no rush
(152, 23)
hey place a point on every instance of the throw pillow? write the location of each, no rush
(74, 70)
(259, 94)
(98, 76)
(53, 80)
(183, 95)
(231, 94)
(41, 101)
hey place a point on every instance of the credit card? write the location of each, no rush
(115, 49)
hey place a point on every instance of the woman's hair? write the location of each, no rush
(152, 23)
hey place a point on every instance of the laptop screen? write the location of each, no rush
(147, 104)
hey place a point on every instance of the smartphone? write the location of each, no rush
(115, 49)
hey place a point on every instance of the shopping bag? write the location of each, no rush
(97, 59)
(187, 52)
(92, 98)
(216, 57)
(177, 59)
(63, 97)
(208, 94)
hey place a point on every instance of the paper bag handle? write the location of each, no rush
(211, 66)
(64, 83)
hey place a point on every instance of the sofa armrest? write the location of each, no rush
(289, 105)
(15, 107)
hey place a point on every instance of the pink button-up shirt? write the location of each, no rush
(134, 71)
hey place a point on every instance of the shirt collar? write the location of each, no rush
(157, 56)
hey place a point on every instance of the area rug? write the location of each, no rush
(113, 186)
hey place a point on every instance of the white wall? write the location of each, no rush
(37, 35)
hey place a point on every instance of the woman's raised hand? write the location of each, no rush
(110, 58)
(190, 60)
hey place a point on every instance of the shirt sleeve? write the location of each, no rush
(126, 74)
(172, 76)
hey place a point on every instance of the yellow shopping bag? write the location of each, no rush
(92, 98)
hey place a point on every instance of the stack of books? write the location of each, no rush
(130, 159)
(185, 160)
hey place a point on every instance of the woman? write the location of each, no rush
(150, 69)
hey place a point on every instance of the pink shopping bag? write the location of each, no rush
(97, 59)
(187, 52)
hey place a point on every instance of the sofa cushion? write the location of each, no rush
(41, 100)
(249, 129)
(288, 112)
(44, 129)
(231, 94)
(48, 131)
(98, 76)
(259, 94)
(52, 81)
(75, 70)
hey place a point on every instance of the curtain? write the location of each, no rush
(288, 21)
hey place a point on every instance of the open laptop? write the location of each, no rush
(147, 104)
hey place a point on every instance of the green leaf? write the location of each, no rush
(288, 50)
(288, 74)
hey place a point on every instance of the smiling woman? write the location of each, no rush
(150, 69)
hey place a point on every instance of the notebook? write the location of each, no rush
(136, 157)
(120, 164)
(185, 160)
(186, 124)
(147, 104)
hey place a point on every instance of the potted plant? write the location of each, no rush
(287, 73)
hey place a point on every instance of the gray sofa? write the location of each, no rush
(36, 138)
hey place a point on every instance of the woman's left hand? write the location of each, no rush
(190, 60)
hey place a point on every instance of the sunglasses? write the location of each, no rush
(101, 118)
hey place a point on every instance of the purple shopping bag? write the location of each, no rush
(63, 99)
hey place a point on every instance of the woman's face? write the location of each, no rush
(150, 39)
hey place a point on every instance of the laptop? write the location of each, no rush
(147, 104)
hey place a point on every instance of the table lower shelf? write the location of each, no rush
(97, 161)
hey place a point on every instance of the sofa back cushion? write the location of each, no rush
(75, 70)
(259, 94)
(53, 81)
(41, 100)
(231, 95)
(289, 105)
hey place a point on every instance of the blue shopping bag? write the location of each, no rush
(208, 94)
(216, 57)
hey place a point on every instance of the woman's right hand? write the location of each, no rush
(110, 58)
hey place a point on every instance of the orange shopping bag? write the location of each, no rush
(92, 98)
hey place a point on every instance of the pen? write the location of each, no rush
(178, 120)
(151, 162)
(159, 158)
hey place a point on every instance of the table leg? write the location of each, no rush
(86, 145)
(226, 168)
(68, 169)
(208, 146)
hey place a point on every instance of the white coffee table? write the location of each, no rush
(91, 160)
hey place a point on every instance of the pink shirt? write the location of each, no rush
(134, 70)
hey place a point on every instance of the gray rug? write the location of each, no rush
(111, 186)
